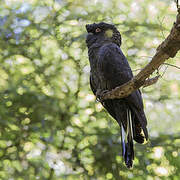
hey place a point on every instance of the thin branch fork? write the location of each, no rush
(167, 49)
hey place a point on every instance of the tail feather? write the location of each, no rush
(138, 132)
(123, 140)
(127, 141)
(141, 122)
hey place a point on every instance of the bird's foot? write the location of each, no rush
(99, 94)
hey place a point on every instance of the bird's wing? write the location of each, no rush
(115, 70)
(93, 85)
(114, 66)
(136, 104)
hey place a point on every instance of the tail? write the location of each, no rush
(127, 141)
(140, 133)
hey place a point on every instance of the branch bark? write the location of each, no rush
(167, 49)
(151, 81)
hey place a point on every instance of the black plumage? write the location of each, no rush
(109, 69)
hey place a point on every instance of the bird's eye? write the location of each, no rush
(98, 30)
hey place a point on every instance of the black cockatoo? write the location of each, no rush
(109, 69)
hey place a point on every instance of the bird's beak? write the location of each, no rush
(87, 27)
(88, 30)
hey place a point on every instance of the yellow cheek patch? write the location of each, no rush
(109, 33)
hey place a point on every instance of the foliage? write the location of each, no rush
(51, 126)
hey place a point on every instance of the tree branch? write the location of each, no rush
(151, 81)
(168, 48)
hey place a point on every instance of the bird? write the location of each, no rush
(109, 68)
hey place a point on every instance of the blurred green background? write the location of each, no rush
(50, 125)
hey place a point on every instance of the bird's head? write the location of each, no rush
(102, 31)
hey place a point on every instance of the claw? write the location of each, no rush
(99, 94)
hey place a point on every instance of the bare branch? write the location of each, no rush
(168, 48)
(172, 65)
(151, 81)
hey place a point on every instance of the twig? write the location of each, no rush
(161, 26)
(164, 71)
(151, 81)
(171, 65)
